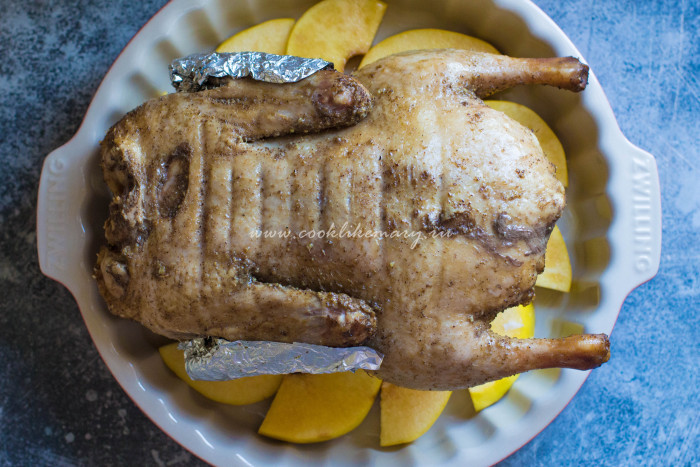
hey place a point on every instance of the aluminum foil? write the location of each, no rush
(211, 359)
(192, 73)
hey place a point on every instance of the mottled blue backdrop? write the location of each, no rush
(60, 406)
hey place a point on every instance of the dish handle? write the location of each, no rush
(59, 227)
(637, 219)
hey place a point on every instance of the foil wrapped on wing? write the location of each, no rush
(221, 360)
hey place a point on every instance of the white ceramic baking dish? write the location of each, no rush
(612, 226)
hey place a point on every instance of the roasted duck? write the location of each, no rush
(392, 208)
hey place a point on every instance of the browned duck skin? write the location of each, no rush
(464, 194)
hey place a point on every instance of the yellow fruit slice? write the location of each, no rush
(236, 392)
(418, 39)
(557, 266)
(406, 414)
(488, 394)
(551, 146)
(269, 37)
(313, 408)
(336, 30)
(516, 322)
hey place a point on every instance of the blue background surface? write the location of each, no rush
(59, 405)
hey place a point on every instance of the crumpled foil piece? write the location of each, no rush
(191, 73)
(210, 359)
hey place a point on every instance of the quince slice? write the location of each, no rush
(313, 408)
(518, 322)
(235, 392)
(551, 146)
(269, 37)
(336, 30)
(406, 414)
(418, 39)
(557, 266)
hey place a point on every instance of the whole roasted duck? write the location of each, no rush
(392, 208)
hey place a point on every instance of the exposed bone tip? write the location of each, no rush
(589, 351)
(342, 99)
(349, 321)
(582, 79)
(116, 277)
(579, 75)
(600, 347)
